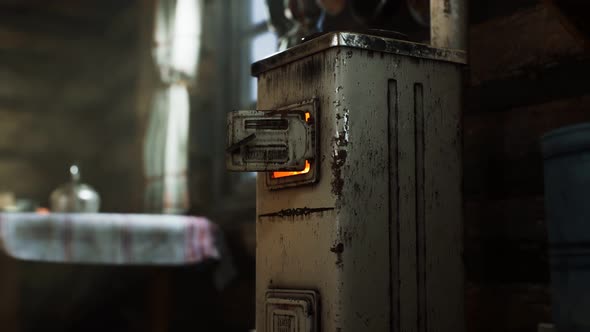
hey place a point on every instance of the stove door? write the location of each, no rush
(272, 140)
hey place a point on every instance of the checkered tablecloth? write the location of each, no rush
(123, 239)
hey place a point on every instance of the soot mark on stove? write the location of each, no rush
(296, 212)
(338, 250)
(338, 161)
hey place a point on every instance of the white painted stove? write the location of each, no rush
(359, 209)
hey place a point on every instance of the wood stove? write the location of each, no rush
(359, 213)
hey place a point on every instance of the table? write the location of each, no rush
(103, 238)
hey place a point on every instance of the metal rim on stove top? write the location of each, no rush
(358, 41)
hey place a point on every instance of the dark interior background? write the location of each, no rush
(74, 82)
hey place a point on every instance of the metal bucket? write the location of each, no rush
(566, 153)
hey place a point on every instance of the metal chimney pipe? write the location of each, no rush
(448, 24)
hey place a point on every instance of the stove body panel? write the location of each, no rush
(379, 236)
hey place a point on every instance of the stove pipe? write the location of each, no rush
(448, 24)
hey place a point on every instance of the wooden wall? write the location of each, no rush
(68, 85)
(69, 75)
(75, 85)
(526, 76)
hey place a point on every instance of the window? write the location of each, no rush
(261, 41)
(240, 35)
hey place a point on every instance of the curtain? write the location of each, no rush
(175, 53)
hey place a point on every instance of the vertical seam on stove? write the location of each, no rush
(393, 133)
(420, 146)
(397, 205)
(389, 212)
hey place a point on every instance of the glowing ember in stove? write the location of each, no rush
(277, 175)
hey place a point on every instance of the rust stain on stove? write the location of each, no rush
(447, 7)
(343, 120)
(341, 139)
(338, 161)
(338, 249)
(340, 153)
(296, 212)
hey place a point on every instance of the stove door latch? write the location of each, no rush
(272, 140)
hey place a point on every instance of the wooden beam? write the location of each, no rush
(506, 240)
(515, 218)
(516, 307)
(28, 63)
(501, 149)
(55, 45)
(486, 10)
(505, 260)
(76, 91)
(529, 38)
(36, 19)
(563, 79)
(574, 17)
(40, 33)
(112, 71)
(83, 78)
(88, 10)
(43, 134)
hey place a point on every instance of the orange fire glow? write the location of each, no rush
(277, 175)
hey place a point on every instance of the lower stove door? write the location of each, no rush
(291, 311)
